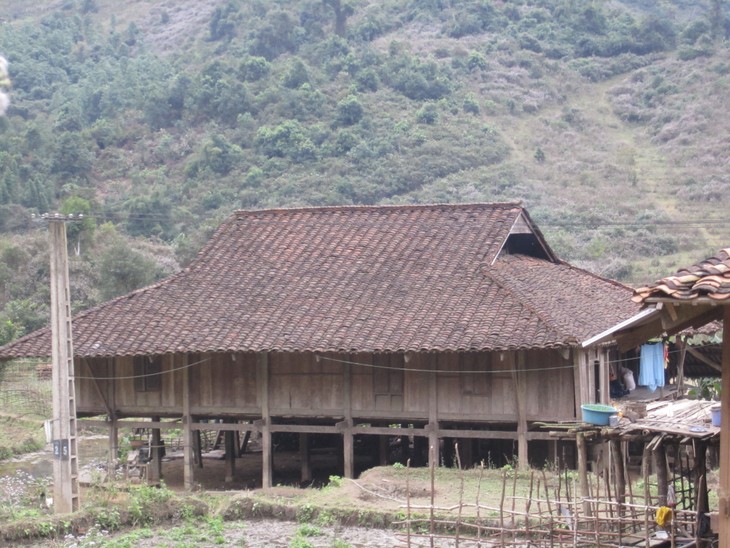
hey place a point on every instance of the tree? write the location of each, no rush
(349, 111)
(125, 269)
(296, 75)
(287, 140)
(342, 12)
(223, 22)
(82, 229)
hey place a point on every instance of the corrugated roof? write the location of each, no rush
(366, 279)
(709, 278)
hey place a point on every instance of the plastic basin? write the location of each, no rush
(597, 413)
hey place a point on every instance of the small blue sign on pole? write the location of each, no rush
(60, 449)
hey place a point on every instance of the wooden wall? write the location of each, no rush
(479, 387)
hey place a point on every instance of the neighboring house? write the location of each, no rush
(434, 321)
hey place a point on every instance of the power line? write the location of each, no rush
(365, 365)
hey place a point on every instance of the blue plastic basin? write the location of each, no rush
(597, 413)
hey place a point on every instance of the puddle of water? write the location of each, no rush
(40, 463)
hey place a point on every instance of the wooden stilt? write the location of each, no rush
(348, 450)
(267, 455)
(304, 458)
(112, 419)
(198, 448)
(434, 451)
(619, 475)
(188, 475)
(230, 444)
(662, 477)
(583, 472)
(383, 450)
(154, 468)
(518, 377)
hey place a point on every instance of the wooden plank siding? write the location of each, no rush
(470, 387)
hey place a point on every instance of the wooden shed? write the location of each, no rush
(435, 321)
(690, 298)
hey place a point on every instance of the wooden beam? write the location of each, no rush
(704, 359)
(167, 425)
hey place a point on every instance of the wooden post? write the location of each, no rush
(304, 458)
(604, 381)
(267, 463)
(198, 448)
(348, 449)
(580, 388)
(230, 444)
(188, 473)
(646, 472)
(348, 440)
(154, 468)
(65, 461)
(700, 473)
(618, 472)
(383, 450)
(420, 449)
(112, 418)
(433, 425)
(662, 476)
(113, 446)
(466, 453)
(680, 365)
(580, 442)
(724, 490)
(518, 377)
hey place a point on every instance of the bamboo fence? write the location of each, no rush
(549, 515)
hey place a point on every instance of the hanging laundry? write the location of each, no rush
(651, 366)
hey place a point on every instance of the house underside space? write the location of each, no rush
(369, 409)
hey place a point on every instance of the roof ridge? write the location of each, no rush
(384, 207)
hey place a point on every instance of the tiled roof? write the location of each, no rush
(709, 278)
(369, 279)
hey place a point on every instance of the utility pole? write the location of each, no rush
(65, 455)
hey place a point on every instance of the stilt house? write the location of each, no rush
(439, 322)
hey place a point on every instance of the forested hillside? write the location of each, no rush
(156, 119)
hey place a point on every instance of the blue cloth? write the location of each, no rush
(651, 368)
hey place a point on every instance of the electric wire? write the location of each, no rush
(364, 365)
